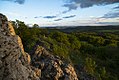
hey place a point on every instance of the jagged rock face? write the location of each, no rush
(15, 64)
(52, 67)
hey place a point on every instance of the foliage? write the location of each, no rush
(97, 52)
(90, 66)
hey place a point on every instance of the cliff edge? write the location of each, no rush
(16, 64)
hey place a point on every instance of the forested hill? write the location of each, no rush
(107, 29)
(94, 54)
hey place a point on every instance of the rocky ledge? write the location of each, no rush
(16, 64)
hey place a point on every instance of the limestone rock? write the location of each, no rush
(16, 64)
(11, 29)
(12, 61)
(52, 67)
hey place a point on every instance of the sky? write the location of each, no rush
(48, 13)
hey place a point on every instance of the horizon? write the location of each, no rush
(52, 13)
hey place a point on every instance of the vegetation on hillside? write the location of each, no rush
(97, 52)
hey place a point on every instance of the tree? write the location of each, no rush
(35, 26)
(74, 42)
(90, 66)
(60, 37)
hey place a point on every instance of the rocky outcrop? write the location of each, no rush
(15, 64)
(52, 67)
(11, 29)
(13, 60)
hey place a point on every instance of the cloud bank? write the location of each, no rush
(71, 16)
(16, 1)
(116, 7)
(111, 15)
(74, 4)
(58, 20)
(49, 17)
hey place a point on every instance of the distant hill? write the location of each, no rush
(110, 28)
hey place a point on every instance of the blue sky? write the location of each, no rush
(62, 12)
